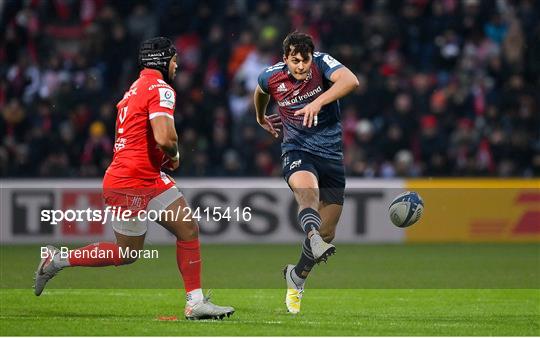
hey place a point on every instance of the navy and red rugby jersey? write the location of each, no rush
(325, 139)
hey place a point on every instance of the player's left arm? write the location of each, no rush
(161, 103)
(166, 139)
(344, 82)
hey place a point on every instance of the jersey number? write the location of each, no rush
(121, 118)
(122, 114)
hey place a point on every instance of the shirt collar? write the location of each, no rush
(151, 72)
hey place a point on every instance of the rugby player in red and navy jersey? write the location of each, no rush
(306, 87)
(145, 142)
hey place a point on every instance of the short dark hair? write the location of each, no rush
(299, 43)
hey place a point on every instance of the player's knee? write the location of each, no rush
(187, 234)
(308, 198)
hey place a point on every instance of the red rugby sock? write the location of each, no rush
(188, 258)
(97, 254)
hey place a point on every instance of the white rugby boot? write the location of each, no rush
(293, 298)
(207, 310)
(46, 270)
(320, 249)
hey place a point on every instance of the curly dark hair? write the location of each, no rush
(298, 43)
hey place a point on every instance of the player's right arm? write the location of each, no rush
(261, 97)
(270, 123)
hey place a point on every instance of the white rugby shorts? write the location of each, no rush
(137, 226)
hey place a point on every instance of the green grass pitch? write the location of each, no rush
(450, 289)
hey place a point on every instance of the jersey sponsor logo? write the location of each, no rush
(161, 84)
(166, 98)
(281, 88)
(295, 164)
(297, 99)
(330, 61)
(120, 143)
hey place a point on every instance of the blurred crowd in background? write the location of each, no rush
(447, 87)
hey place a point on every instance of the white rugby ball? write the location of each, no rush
(406, 209)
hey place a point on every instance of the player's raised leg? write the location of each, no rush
(306, 192)
(330, 214)
(188, 256)
(93, 255)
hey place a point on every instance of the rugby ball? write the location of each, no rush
(406, 209)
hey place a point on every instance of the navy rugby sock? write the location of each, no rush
(309, 219)
(306, 261)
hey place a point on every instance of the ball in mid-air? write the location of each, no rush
(406, 209)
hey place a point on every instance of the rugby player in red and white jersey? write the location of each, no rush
(146, 141)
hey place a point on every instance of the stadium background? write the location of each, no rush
(447, 87)
(448, 105)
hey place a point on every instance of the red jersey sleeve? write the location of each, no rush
(161, 101)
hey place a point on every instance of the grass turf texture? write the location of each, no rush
(449, 289)
(261, 312)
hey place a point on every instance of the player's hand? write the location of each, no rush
(310, 112)
(272, 124)
(170, 164)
